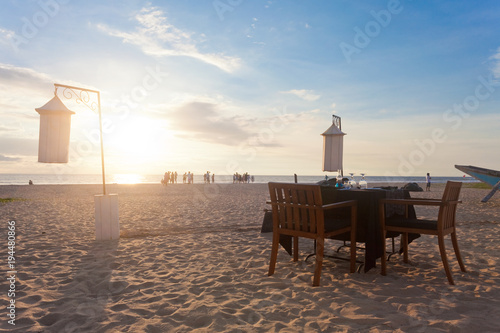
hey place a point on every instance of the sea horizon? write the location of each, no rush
(131, 178)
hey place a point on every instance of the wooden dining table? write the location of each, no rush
(369, 228)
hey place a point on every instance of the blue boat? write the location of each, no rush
(488, 176)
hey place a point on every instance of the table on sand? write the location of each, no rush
(369, 229)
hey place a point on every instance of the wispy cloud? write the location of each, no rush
(4, 158)
(207, 122)
(307, 95)
(11, 76)
(20, 90)
(203, 122)
(6, 129)
(6, 36)
(18, 147)
(156, 37)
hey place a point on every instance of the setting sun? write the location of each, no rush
(127, 178)
(137, 138)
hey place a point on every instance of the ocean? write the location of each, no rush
(23, 179)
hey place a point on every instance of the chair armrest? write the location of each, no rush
(417, 202)
(341, 204)
(348, 203)
(425, 202)
(423, 199)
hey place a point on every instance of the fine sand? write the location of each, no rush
(191, 258)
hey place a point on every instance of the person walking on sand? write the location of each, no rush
(428, 182)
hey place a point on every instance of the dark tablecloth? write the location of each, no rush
(369, 229)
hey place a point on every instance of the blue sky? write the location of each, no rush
(249, 86)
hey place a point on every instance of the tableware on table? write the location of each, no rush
(339, 180)
(352, 182)
(363, 184)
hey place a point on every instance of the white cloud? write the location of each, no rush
(202, 121)
(6, 36)
(156, 37)
(20, 89)
(307, 95)
(9, 159)
(22, 77)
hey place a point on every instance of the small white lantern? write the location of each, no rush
(55, 124)
(333, 146)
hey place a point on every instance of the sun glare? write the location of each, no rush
(137, 139)
(127, 178)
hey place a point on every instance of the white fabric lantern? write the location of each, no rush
(333, 146)
(55, 124)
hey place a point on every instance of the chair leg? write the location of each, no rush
(404, 239)
(274, 253)
(353, 248)
(457, 251)
(295, 248)
(319, 260)
(444, 259)
(383, 260)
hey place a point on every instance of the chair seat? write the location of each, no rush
(336, 224)
(440, 227)
(412, 223)
(298, 211)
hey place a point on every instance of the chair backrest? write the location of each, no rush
(297, 206)
(446, 218)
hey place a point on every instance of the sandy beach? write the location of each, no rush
(191, 258)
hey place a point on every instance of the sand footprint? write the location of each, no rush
(50, 319)
(201, 321)
(33, 299)
(119, 307)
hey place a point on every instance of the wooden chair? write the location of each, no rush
(298, 211)
(444, 225)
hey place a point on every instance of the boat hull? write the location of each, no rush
(487, 176)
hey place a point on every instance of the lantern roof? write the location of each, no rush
(333, 130)
(54, 105)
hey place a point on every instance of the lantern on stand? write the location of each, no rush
(333, 147)
(53, 147)
(55, 124)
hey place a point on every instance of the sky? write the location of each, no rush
(249, 86)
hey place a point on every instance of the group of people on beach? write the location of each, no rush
(169, 178)
(206, 177)
(244, 178)
(188, 178)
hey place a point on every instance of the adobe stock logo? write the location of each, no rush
(454, 118)
(363, 38)
(32, 26)
(222, 7)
